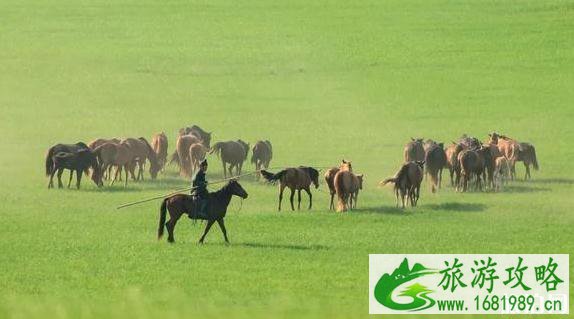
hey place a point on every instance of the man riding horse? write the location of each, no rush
(199, 192)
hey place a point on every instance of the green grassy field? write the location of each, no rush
(322, 80)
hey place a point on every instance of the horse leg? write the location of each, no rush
(356, 199)
(224, 169)
(331, 205)
(170, 225)
(451, 172)
(51, 182)
(209, 223)
(126, 168)
(70, 180)
(527, 174)
(60, 171)
(310, 197)
(299, 199)
(223, 230)
(439, 178)
(291, 198)
(115, 175)
(78, 178)
(281, 189)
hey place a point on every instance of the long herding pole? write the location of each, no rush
(177, 191)
(187, 189)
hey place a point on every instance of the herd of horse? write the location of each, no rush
(488, 165)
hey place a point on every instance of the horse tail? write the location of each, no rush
(270, 177)
(253, 158)
(162, 214)
(534, 160)
(397, 176)
(49, 161)
(340, 191)
(216, 148)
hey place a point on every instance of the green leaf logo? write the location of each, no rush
(419, 293)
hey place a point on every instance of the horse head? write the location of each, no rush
(346, 166)
(236, 189)
(314, 175)
(360, 178)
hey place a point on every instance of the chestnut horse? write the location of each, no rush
(181, 153)
(508, 147)
(330, 179)
(197, 153)
(297, 179)
(435, 161)
(180, 204)
(414, 150)
(262, 155)
(141, 152)
(347, 186)
(159, 144)
(115, 155)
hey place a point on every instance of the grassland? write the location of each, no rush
(322, 80)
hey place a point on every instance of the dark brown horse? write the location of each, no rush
(435, 161)
(297, 179)
(80, 162)
(180, 204)
(473, 163)
(407, 182)
(62, 148)
(414, 150)
(527, 155)
(262, 155)
(233, 153)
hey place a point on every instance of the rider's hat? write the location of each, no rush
(203, 163)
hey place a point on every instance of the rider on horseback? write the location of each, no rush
(199, 190)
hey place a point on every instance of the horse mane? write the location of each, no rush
(151, 153)
(216, 148)
(313, 173)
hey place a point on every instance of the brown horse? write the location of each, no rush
(181, 153)
(508, 147)
(297, 179)
(198, 132)
(106, 174)
(180, 204)
(80, 161)
(197, 153)
(435, 161)
(141, 152)
(262, 155)
(330, 179)
(233, 153)
(159, 144)
(118, 156)
(473, 163)
(407, 182)
(347, 186)
(452, 161)
(527, 155)
(414, 150)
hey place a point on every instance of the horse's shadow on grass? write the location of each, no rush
(279, 246)
(563, 181)
(513, 188)
(391, 210)
(457, 207)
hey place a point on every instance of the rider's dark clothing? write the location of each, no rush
(199, 183)
(199, 190)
